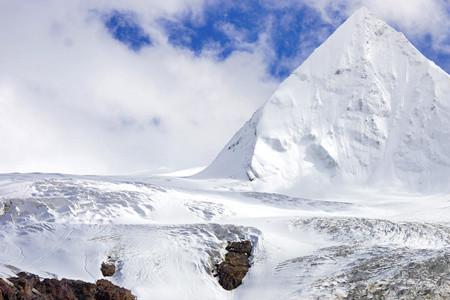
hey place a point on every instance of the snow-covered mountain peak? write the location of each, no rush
(365, 108)
(363, 16)
(354, 41)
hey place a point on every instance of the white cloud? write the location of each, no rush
(74, 100)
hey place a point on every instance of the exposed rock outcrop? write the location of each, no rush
(27, 286)
(108, 269)
(236, 264)
(244, 247)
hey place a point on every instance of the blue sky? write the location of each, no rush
(123, 27)
(290, 32)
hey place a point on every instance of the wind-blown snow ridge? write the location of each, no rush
(365, 108)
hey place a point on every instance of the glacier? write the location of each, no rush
(340, 182)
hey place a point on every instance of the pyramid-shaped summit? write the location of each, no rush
(365, 108)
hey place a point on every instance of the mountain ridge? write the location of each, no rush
(365, 108)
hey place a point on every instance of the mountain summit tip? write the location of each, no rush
(362, 11)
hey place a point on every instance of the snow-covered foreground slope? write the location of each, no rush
(365, 108)
(167, 233)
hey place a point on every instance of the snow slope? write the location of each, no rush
(366, 108)
(166, 234)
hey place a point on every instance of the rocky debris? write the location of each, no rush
(428, 278)
(349, 230)
(369, 272)
(108, 269)
(235, 266)
(27, 286)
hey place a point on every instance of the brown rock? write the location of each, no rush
(29, 287)
(108, 291)
(240, 247)
(61, 289)
(237, 259)
(230, 277)
(236, 264)
(6, 291)
(108, 269)
(87, 290)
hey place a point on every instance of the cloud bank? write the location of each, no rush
(75, 100)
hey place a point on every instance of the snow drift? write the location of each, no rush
(365, 108)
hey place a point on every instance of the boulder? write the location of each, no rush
(236, 264)
(108, 269)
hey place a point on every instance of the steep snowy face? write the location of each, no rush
(365, 108)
